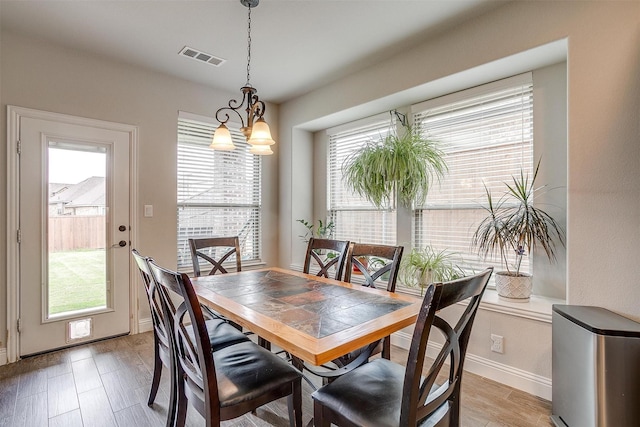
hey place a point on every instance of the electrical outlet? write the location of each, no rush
(497, 343)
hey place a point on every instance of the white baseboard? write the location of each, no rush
(3, 356)
(145, 325)
(513, 377)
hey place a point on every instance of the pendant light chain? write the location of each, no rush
(253, 125)
(248, 46)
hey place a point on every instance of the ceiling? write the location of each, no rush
(297, 45)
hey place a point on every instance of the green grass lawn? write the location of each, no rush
(77, 280)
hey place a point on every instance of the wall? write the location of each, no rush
(550, 147)
(41, 76)
(603, 200)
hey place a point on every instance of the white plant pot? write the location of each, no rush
(514, 288)
(425, 277)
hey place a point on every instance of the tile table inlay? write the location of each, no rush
(316, 316)
(315, 308)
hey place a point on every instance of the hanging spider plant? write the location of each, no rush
(405, 164)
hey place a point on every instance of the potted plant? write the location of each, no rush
(514, 226)
(324, 231)
(405, 164)
(426, 265)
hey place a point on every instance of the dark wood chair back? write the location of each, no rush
(161, 332)
(421, 398)
(326, 253)
(381, 392)
(215, 251)
(238, 384)
(189, 350)
(153, 297)
(382, 262)
(373, 262)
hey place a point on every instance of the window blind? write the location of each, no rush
(355, 218)
(487, 137)
(218, 191)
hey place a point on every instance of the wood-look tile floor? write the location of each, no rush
(107, 384)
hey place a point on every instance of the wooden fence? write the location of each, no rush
(67, 233)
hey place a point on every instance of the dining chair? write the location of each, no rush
(220, 334)
(223, 383)
(214, 251)
(368, 265)
(161, 337)
(325, 254)
(384, 393)
(382, 266)
(373, 265)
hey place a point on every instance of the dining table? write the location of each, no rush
(315, 319)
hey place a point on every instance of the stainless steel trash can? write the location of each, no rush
(595, 368)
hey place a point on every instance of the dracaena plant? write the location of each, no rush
(514, 225)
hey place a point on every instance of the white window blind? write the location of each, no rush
(487, 136)
(355, 218)
(218, 191)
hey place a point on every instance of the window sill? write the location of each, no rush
(537, 308)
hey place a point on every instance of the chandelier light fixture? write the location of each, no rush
(254, 127)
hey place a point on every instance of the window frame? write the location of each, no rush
(358, 133)
(250, 242)
(471, 260)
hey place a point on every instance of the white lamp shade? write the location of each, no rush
(261, 150)
(222, 139)
(261, 134)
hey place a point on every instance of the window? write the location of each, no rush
(487, 136)
(218, 191)
(355, 218)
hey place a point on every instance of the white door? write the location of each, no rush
(73, 234)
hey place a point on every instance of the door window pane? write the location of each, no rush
(76, 255)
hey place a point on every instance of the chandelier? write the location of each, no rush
(254, 128)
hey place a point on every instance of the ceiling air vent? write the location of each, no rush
(198, 55)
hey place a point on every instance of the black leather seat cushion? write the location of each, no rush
(245, 371)
(368, 396)
(371, 395)
(221, 334)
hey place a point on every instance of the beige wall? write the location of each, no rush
(603, 211)
(44, 77)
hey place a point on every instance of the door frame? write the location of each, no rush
(14, 114)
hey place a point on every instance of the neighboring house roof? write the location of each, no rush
(90, 192)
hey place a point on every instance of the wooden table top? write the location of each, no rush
(313, 318)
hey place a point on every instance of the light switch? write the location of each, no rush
(148, 211)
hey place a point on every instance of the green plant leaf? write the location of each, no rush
(406, 164)
(518, 225)
(442, 265)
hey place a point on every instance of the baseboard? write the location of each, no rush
(3, 356)
(145, 325)
(513, 377)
